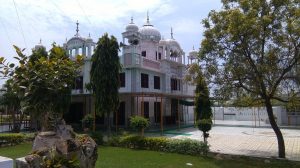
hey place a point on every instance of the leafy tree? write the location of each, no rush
(250, 47)
(105, 77)
(203, 111)
(203, 107)
(44, 84)
(11, 100)
(139, 123)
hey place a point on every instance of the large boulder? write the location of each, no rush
(51, 148)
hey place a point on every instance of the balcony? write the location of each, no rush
(136, 60)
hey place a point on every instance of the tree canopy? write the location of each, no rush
(43, 83)
(249, 49)
(105, 76)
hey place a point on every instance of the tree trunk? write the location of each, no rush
(280, 140)
(142, 132)
(108, 125)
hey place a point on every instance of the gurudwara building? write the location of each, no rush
(152, 84)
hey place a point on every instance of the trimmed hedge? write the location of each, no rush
(14, 138)
(181, 146)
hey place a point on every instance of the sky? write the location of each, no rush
(25, 22)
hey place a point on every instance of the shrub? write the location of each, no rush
(11, 138)
(97, 137)
(186, 146)
(114, 141)
(88, 121)
(139, 123)
(181, 146)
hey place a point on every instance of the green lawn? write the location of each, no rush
(127, 158)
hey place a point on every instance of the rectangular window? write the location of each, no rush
(156, 82)
(159, 56)
(146, 109)
(78, 85)
(122, 79)
(157, 114)
(173, 84)
(144, 53)
(144, 80)
(156, 55)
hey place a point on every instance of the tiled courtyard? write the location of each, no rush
(247, 141)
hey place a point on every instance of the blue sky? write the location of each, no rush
(54, 20)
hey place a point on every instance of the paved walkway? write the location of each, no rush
(259, 142)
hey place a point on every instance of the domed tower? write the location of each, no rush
(78, 45)
(193, 54)
(150, 38)
(173, 49)
(39, 45)
(131, 34)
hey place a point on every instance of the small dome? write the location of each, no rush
(39, 45)
(89, 39)
(149, 32)
(131, 27)
(173, 43)
(193, 53)
(162, 41)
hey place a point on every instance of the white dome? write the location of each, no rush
(193, 53)
(150, 32)
(89, 39)
(162, 42)
(132, 27)
(173, 42)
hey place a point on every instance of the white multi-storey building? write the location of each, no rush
(151, 80)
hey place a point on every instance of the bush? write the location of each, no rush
(88, 121)
(97, 137)
(139, 123)
(11, 138)
(181, 146)
(114, 141)
(187, 146)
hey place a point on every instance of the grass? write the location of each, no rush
(112, 157)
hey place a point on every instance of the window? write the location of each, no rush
(146, 109)
(159, 55)
(175, 84)
(156, 55)
(78, 85)
(144, 53)
(122, 79)
(157, 114)
(156, 82)
(144, 80)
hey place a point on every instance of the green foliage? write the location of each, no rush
(250, 48)
(14, 138)
(203, 106)
(97, 137)
(57, 161)
(105, 75)
(138, 122)
(88, 121)
(185, 146)
(43, 83)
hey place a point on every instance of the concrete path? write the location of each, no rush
(259, 142)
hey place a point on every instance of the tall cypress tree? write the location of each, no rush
(203, 106)
(105, 77)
